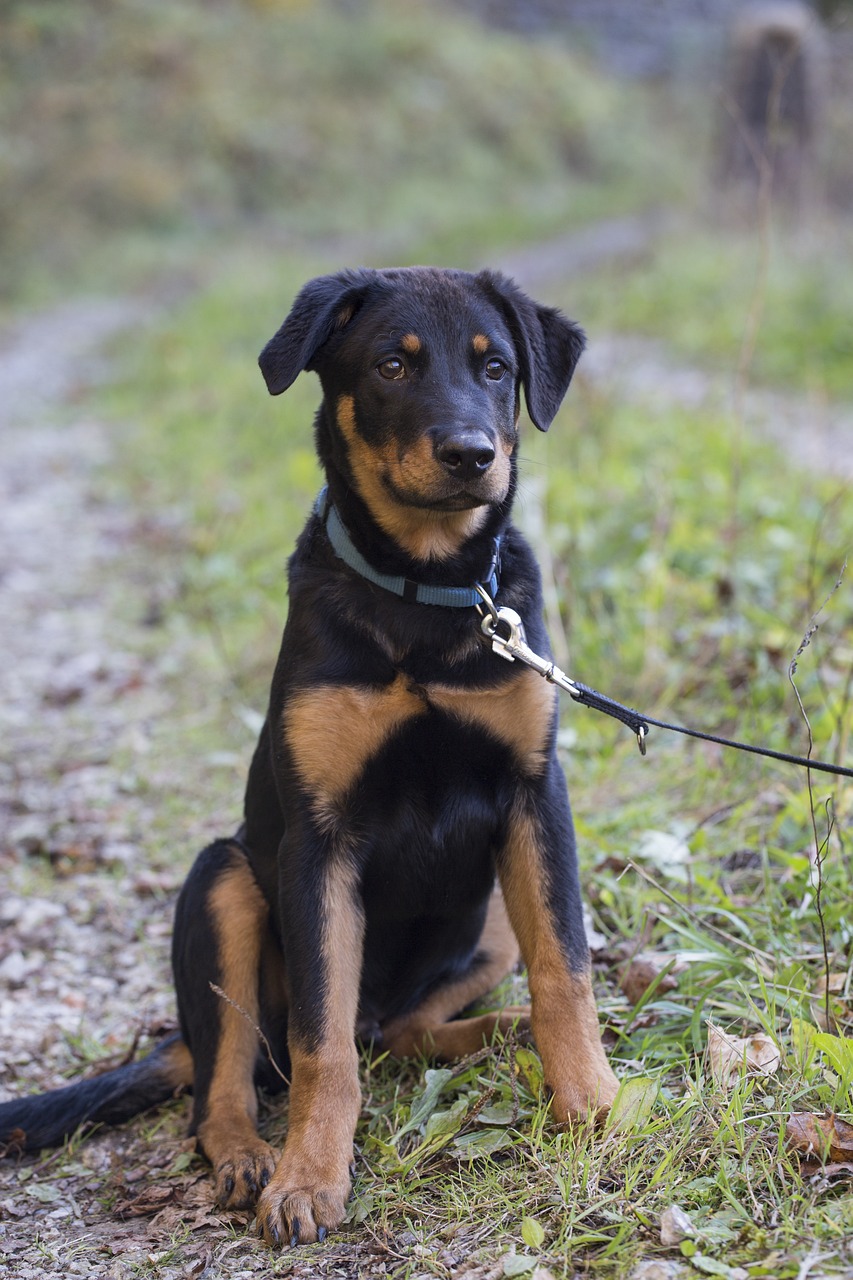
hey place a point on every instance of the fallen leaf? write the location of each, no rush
(633, 1104)
(731, 1056)
(836, 985)
(669, 853)
(840, 999)
(640, 974)
(149, 1201)
(828, 1136)
(518, 1264)
(843, 1169)
(657, 1269)
(675, 1226)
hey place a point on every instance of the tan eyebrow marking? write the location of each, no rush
(411, 343)
(481, 344)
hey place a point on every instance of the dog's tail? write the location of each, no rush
(47, 1119)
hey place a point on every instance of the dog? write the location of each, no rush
(407, 828)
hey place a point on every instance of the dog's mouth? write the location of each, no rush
(447, 497)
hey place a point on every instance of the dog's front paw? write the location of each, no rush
(241, 1177)
(299, 1210)
(589, 1097)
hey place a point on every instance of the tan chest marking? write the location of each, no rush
(518, 713)
(332, 731)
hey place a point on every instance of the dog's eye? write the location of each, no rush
(495, 369)
(392, 369)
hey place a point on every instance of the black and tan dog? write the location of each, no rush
(407, 826)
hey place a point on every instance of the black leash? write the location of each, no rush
(640, 724)
(505, 629)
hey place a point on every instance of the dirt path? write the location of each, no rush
(85, 923)
(86, 785)
(813, 432)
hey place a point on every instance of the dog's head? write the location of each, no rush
(421, 372)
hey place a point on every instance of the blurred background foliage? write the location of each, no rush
(383, 126)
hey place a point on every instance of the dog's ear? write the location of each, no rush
(547, 343)
(322, 307)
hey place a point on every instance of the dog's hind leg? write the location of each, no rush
(220, 930)
(433, 1029)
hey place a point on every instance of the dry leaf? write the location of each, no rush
(675, 1226)
(826, 1137)
(657, 1269)
(836, 985)
(639, 974)
(843, 1169)
(730, 1056)
(148, 1202)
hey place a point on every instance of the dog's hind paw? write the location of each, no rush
(242, 1177)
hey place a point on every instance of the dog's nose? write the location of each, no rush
(466, 454)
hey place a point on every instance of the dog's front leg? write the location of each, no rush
(539, 877)
(323, 926)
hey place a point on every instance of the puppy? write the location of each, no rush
(407, 826)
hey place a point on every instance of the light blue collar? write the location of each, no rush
(411, 592)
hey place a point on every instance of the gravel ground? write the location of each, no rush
(89, 677)
(85, 922)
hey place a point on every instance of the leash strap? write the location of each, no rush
(639, 723)
(505, 629)
(408, 590)
(802, 760)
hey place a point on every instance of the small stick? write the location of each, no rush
(264, 1041)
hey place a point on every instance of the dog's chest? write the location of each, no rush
(335, 734)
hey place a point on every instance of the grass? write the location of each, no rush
(689, 562)
(697, 291)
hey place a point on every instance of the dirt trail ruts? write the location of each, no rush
(85, 775)
(812, 431)
(83, 936)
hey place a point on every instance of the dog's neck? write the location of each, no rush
(408, 589)
(467, 560)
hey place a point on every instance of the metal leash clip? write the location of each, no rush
(504, 628)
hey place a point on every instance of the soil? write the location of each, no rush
(90, 666)
(84, 949)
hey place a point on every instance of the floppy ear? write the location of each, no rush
(322, 306)
(547, 343)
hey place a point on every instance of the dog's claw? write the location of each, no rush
(295, 1229)
(321, 1234)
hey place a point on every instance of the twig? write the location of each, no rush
(697, 920)
(821, 846)
(264, 1041)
